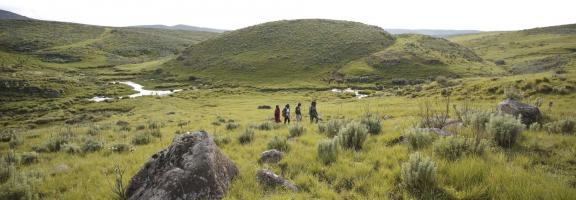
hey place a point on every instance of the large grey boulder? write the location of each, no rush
(271, 156)
(269, 179)
(192, 167)
(529, 114)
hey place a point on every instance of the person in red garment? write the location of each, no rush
(277, 114)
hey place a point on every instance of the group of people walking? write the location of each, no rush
(298, 112)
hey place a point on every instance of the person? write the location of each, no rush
(286, 114)
(277, 114)
(313, 113)
(298, 112)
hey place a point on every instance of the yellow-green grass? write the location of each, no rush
(370, 173)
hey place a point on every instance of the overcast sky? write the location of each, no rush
(233, 14)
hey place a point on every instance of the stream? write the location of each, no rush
(350, 90)
(140, 92)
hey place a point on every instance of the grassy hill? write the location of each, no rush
(312, 52)
(183, 27)
(526, 51)
(281, 52)
(4, 14)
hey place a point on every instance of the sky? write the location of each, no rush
(485, 15)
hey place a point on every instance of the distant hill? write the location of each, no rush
(300, 52)
(10, 15)
(525, 51)
(182, 27)
(431, 32)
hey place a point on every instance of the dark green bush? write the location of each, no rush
(247, 136)
(454, 147)
(279, 143)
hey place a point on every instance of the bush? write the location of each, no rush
(505, 129)
(71, 148)
(222, 140)
(513, 94)
(535, 127)
(296, 130)
(154, 125)
(327, 151)
(92, 145)
(141, 139)
(352, 136)
(265, 126)
(12, 157)
(418, 138)
(372, 122)
(278, 143)
(332, 127)
(53, 144)
(476, 120)
(452, 148)
(120, 147)
(247, 136)
(15, 140)
(19, 187)
(94, 130)
(565, 126)
(418, 175)
(155, 133)
(231, 126)
(29, 158)
(6, 171)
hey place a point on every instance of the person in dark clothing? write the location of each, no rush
(313, 113)
(286, 114)
(298, 112)
(277, 114)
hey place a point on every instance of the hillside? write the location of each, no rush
(183, 27)
(431, 32)
(4, 14)
(281, 51)
(525, 51)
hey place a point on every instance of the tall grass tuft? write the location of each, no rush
(92, 145)
(452, 148)
(327, 151)
(296, 130)
(332, 127)
(418, 138)
(505, 129)
(418, 175)
(247, 136)
(352, 136)
(119, 189)
(372, 122)
(279, 143)
(564, 126)
(141, 139)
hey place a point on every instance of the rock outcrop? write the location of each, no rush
(269, 179)
(271, 156)
(529, 114)
(192, 167)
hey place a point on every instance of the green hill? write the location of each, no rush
(526, 51)
(4, 14)
(281, 52)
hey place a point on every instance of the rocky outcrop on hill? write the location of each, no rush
(528, 113)
(192, 167)
(269, 179)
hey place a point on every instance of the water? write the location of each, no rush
(350, 90)
(140, 92)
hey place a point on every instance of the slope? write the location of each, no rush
(4, 14)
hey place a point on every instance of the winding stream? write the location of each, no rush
(350, 90)
(140, 92)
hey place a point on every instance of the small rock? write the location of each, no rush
(438, 131)
(264, 107)
(61, 168)
(395, 141)
(269, 179)
(171, 113)
(122, 123)
(271, 156)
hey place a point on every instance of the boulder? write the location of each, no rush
(438, 131)
(264, 107)
(271, 156)
(529, 113)
(192, 167)
(269, 179)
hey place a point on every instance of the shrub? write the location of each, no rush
(222, 140)
(231, 126)
(505, 129)
(352, 136)
(94, 130)
(512, 94)
(6, 171)
(278, 143)
(418, 138)
(12, 157)
(433, 114)
(154, 125)
(565, 126)
(155, 133)
(296, 130)
(265, 126)
(327, 151)
(452, 148)
(29, 158)
(372, 122)
(141, 127)
(476, 120)
(20, 188)
(53, 144)
(535, 127)
(418, 175)
(120, 147)
(71, 148)
(15, 140)
(92, 145)
(247, 136)
(141, 139)
(332, 127)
